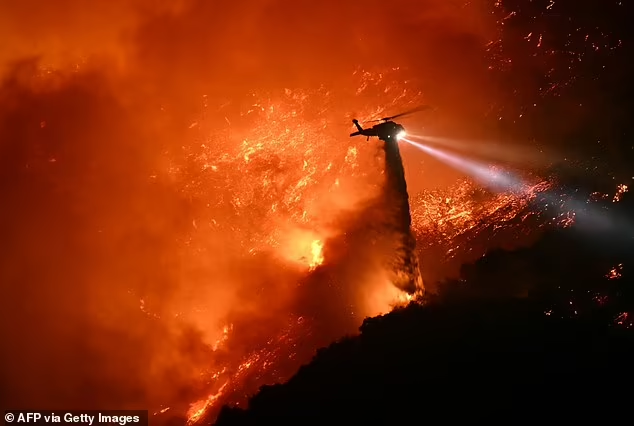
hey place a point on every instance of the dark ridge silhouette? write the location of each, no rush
(542, 333)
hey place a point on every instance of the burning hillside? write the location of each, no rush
(276, 243)
(294, 196)
(186, 218)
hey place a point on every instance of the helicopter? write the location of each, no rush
(387, 130)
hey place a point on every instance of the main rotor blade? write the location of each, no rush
(411, 111)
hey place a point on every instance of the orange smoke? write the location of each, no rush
(187, 219)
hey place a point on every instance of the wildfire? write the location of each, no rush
(253, 366)
(282, 180)
(281, 192)
(455, 213)
(270, 177)
(441, 216)
(317, 248)
(268, 181)
(198, 409)
(225, 336)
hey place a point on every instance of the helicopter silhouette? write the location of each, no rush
(387, 130)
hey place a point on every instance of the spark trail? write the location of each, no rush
(404, 266)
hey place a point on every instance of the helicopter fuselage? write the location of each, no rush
(387, 131)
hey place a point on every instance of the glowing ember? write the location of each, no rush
(162, 411)
(620, 190)
(624, 319)
(615, 273)
(600, 299)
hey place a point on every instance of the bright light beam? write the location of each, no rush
(587, 217)
(485, 174)
(485, 149)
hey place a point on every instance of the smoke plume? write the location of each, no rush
(180, 202)
(404, 268)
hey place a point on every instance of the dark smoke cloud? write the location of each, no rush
(93, 96)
